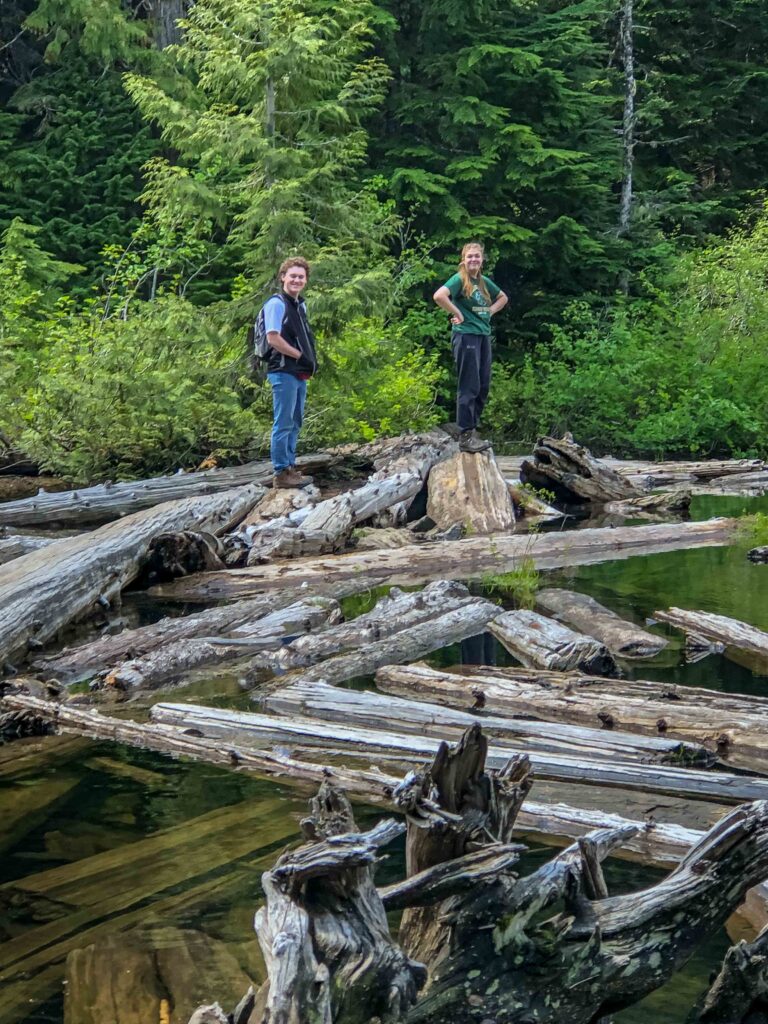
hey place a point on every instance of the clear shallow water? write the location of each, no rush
(124, 865)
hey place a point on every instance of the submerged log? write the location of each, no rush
(573, 473)
(539, 642)
(370, 710)
(265, 632)
(461, 559)
(302, 734)
(44, 591)
(470, 489)
(583, 613)
(489, 949)
(733, 726)
(718, 628)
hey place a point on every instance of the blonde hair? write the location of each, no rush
(467, 284)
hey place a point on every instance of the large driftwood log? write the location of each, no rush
(49, 588)
(669, 501)
(718, 628)
(573, 473)
(490, 950)
(371, 710)
(539, 642)
(460, 559)
(394, 613)
(661, 844)
(646, 475)
(469, 489)
(583, 613)
(426, 635)
(735, 726)
(303, 734)
(108, 501)
(264, 633)
(739, 993)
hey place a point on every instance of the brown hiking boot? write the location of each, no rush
(469, 441)
(291, 477)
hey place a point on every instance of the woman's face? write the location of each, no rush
(473, 260)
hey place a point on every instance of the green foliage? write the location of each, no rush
(520, 585)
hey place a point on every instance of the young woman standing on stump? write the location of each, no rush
(471, 299)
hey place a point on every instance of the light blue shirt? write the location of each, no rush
(274, 311)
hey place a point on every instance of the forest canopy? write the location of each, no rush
(159, 159)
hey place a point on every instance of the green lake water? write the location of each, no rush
(113, 859)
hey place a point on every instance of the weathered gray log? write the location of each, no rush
(49, 588)
(468, 619)
(573, 473)
(593, 957)
(470, 489)
(15, 547)
(323, 910)
(264, 731)
(583, 613)
(719, 628)
(392, 614)
(662, 844)
(658, 474)
(263, 633)
(739, 993)
(669, 501)
(326, 527)
(461, 559)
(527, 503)
(735, 726)
(539, 642)
(370, 710)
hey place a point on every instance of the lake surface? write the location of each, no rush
(127, 866)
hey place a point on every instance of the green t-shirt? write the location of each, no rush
(475, 308)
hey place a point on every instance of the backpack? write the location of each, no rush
(258, 345)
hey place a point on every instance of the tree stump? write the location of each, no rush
(469, 489)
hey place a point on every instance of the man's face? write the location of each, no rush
(473, 260)
(294, 281)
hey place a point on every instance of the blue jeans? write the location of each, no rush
(288, 397)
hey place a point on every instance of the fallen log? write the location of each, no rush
(370, 710)
(573, 473)
(394, 613)
(718, 628)
(661, 844)
(470, 489)
(264, 731)
(539, 642)
(669, 501)
(264, 633)
(624, 639)
(15, 547)
(594, 956)
(739, 993)
(468, 619)
(461, 559)
(100, 504)
(733, 726)
(527, 503)
(49, 588)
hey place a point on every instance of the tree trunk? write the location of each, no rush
(460, 559)
(627, 33)
(539, 642)
(49, 588)
(582, 612)
(733, 726)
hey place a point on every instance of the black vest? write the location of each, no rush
(296, 330)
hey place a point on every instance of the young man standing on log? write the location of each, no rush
(471, 299)
(291, 361)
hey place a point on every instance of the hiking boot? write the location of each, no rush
(470, 442)
(291, 477)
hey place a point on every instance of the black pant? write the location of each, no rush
(472, 353)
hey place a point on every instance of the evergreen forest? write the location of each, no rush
(159, 159)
